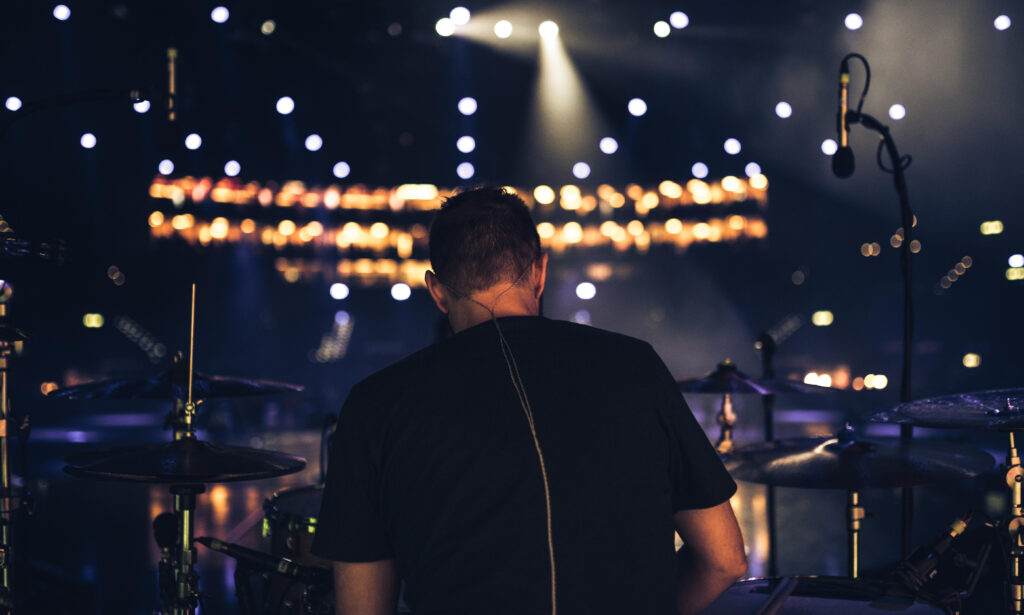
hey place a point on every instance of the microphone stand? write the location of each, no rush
(907, 218)
(766, 344)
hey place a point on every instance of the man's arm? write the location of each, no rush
(712, 556)
(365, 588)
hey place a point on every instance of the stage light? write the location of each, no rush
(166, 167)
(339, 291)
(141, 106)
(467, 105)
(637, 107)
(853, 21)
(609, 145)
(341, 317)
(1015, 273)
(662, 29)
(268, 27)
(1017, 260)
(548, 29)
(783, 109)
(314, 142)
(401, 291)
(466, 144)
(732, 146)
(673, 226)
(699, 170)
(193, 141)
(88, 140)
(586, 291)
(580, 317)
(92, 320)
(61, 12)
(897, 112)
(829, 147)
(822, 318)
(13, 103)
(811, 378)
(220, 14)
(465, 170)
(759, 182)
(971, 360)
(503, 29)
(581, 170)
(341, 170)
(546, 230)
(445, 26)
(286, 228)
(572, 232)
(992, 227)
(544, 195)
(232, 168)
(285, 105)
(459, 15)
(1002, 23)
(679, 20)
(156, 218)
(752, 169)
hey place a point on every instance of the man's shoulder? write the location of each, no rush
(587, 334)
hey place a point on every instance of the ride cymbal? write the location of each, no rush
(1001, 409)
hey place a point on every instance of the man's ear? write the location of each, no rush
(540, 274)
(437, 291)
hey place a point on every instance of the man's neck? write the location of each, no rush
(465, 313)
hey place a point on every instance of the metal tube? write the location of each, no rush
(854, 515)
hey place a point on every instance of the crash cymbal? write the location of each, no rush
(173, 384)
(183, 461)
(728, 379)
(849, 462)
(1001, 409)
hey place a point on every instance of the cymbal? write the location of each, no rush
(848, 462)
(173, 384)
(728, 379)
(185, 461)
(999, 409)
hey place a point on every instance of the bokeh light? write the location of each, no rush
(897, 112)
(465, 170)
(662, 29)
(285, 105)
(88, 140)
(783, 109)
(193, 141)
(459, 15)
(314, 142)
(699, 170)
(166, 167)
(586, 291)
(503, 29)
(732, 146)
(445, 26)
(581, 170)
(342, 169)
(339, 291)
(342, 318)
(1017, 260)
(220, 14)
(853, 21)
(466, 144)
(232, 168)
(467, 105)
(637, 107)
(829, 147)
(609, 145)
(548, 29)
(679, 20)
(61, 12)
(268, 27)
(401, 291)
(13, 103)
(1002, 22)
(752, 169)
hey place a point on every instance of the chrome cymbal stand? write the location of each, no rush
(9, 346)
(1015, 527)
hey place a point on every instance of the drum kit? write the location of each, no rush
(850, 462)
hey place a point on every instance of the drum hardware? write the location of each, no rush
(803, 595)
(767, 345)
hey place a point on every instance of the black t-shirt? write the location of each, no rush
(433, 465)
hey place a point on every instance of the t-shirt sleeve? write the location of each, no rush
(699, 479)
(351, 527)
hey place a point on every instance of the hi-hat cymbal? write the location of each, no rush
(173, 384)
(1000, 409)
(728, 379)
(848, 462)
(185, 461)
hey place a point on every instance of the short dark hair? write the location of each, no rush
(482, 237)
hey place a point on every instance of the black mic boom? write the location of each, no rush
(922, 565)
(842, 160)
(263, 561)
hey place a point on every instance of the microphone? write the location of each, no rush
(264, 561)
(842, 160)
(922, 565)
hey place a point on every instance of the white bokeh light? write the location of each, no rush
(783, 109)
(548, 29)
(232, 168)
(752, 169)
(1002, 22)
(401, 291)
(732, 146)
(465, 170)
(339, 291)
(662, 29)
(141, 106)
(445, 26)
(220, 14)
(466, 144)
(609, 145)
(285, 105)
(581, 170)
(88, 140)
(13, 103)
(679, 20)
(459, 15)
(341, 170)
(467, 105)
(699, 170)
(829, 147)
(586, 291)
(503, 29)
(166, 167)
(897, 112)
(193, 141)
(1017, 260)
(342, 318)
(853, 21)
(61, 12)
(637, 107)
(314, 142)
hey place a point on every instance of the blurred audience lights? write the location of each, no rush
(971, 360)
(220, 14)
(467, 105)
(62, 12)
(13, 103)
(503, 29)
(783, 109)
(662, 29)
(679, 20)
(1001, 23)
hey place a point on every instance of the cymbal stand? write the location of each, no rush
(8, 429)
(1015, 527)
(726, 418)
(855, 514)
(766, 344)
